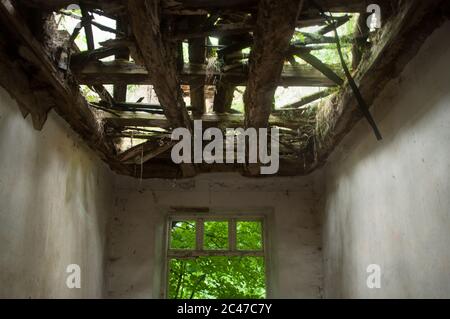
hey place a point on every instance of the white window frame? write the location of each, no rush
(232, 251)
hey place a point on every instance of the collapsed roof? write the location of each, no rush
(204, 51)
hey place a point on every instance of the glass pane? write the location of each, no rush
(217, 278)
(215, 236)
(182, 235)
(249, 235)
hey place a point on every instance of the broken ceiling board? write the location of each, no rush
(154, 27)
(116, 72)
(275, 25)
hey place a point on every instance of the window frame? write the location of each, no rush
(232, 218)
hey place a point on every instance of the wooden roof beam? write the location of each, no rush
(197, 54)
(159, 55)
(275, 25)
(126, 72)
(141, 119)
(224, 95)
(120, 90)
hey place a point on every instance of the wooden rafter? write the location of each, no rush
(224, 90)
(197, 55)
(120, 90)
(160, 56)
(306, 56)
(275, 26)
(223, 98)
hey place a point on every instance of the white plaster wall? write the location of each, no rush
(388, 202)
(136, 236)
(54, 197)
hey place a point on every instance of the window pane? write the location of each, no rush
(217, 278)
(249, 235)
(216, 236)
(182, 235)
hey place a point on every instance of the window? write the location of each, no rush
(215, 257)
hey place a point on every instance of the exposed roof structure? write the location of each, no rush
(258, 46)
